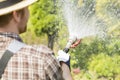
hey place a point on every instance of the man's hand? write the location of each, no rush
(76, 43)
(63, 56)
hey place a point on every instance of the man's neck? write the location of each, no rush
(11, 27)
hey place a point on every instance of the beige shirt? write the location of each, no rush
(29, 63)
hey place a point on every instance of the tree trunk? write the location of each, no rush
(51, 38)
(51, 41)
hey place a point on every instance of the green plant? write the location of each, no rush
(105, 66)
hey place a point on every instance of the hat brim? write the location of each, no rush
(17, 6)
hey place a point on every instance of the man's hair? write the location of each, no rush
(5, 19)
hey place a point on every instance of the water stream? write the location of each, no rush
(82, 21)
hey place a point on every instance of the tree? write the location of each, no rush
(44, 19)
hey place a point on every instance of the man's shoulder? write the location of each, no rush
(42, 49)
(36, 50)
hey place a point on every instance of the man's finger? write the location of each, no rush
(76, 43)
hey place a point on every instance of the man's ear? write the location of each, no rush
(16, 16)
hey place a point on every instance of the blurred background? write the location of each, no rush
(97, 57)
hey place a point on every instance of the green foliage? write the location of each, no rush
(48, 25)
(105, 65)
(83, 52)
(44, 19)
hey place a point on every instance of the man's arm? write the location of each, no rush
(64, 58)
(66, 71)
(56, 71)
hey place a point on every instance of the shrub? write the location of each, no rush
(105, 66)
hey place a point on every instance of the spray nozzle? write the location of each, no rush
(70, 42)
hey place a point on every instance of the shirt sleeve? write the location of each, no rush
(52, 68)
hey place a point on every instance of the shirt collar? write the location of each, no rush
(11, 35)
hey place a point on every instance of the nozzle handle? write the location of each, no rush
(66, 50)
(68, 62)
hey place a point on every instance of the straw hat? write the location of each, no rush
(7, 6)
